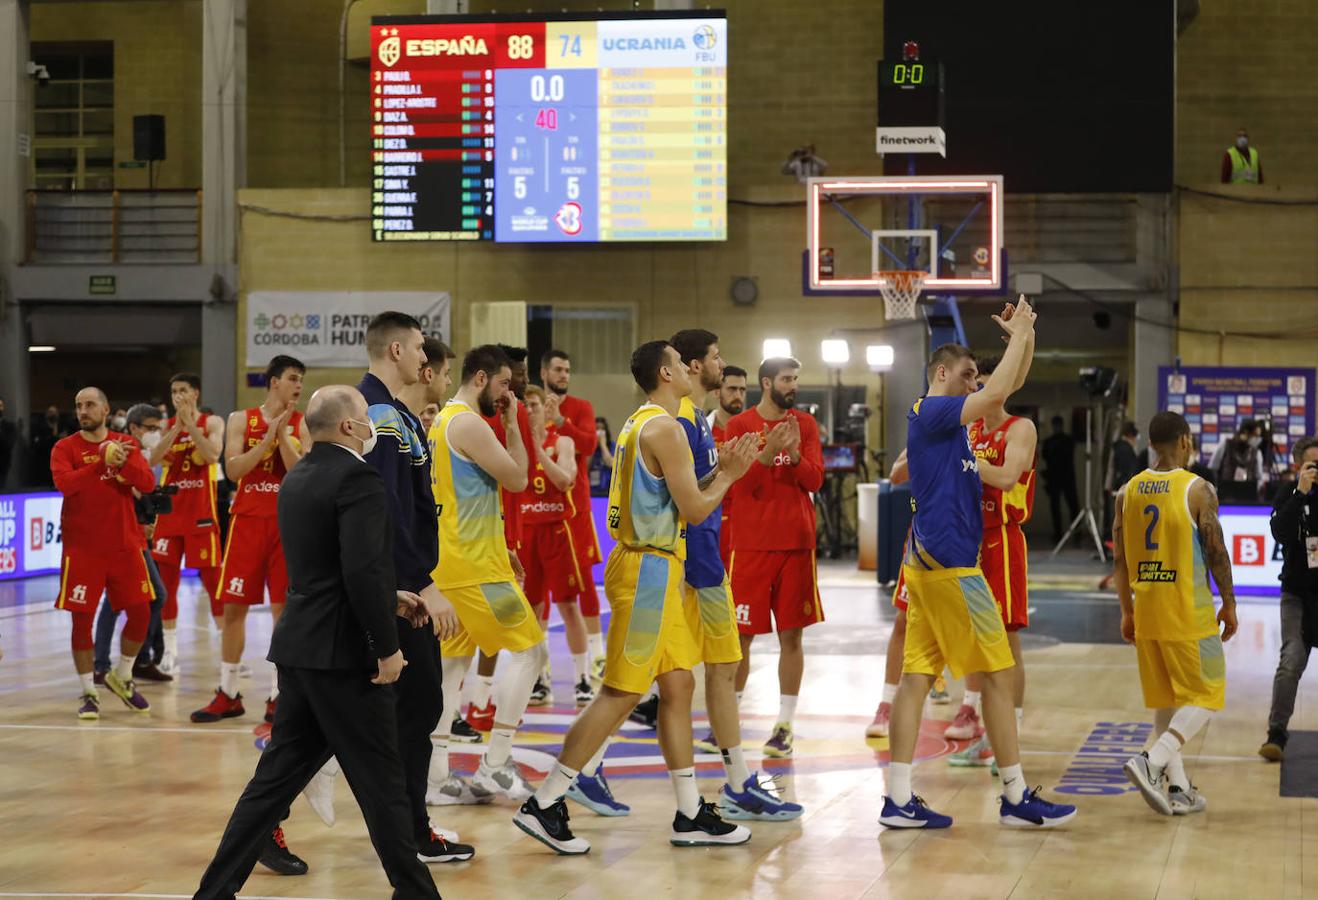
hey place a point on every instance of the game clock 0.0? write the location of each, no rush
(911, 93)
(550, 129)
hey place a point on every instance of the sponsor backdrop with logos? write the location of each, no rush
(329, 328)
(1216, 399)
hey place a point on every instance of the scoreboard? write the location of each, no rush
(568, 129)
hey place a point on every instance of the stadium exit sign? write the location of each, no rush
(100, 284)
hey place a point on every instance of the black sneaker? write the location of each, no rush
(276, 856)
(706, 829)
(646, 712)
(463, 733)
(549, 827)
(437, 850)
(1274, 748)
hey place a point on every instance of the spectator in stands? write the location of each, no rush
(1295, 528)
(1237, 464)
(1240, 164)
(1127, 460)
(44, 436)
(8, 441)
(1197, 463)
(1059, 476)
(803, 164)
(601, 461)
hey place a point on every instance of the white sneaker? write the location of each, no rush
(445, 833)
(1186, 802)
(505, 780)
(455, 791)
(244, 670)
(1152, 784)
(169, 663)
(320, 793)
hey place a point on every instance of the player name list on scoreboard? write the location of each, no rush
(534, 131)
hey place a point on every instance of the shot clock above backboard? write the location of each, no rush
(554, 128)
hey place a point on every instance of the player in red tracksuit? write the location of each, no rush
(574, 417)
(97, 470)
(187, 453)
(731, 402)
(772, 570)
(261, 445)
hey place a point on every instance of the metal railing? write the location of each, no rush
(127, 226)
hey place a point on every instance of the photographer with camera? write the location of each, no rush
(143, 423)
(1295, 528)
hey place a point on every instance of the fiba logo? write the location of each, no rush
(705, 37)
(391, 49)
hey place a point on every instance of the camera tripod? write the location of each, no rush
(1086, 515)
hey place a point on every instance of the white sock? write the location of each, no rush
(1013, 782)
(439, 770)
(482, 687)
(786, 710)
(555, 785)
(501, 747)
(688, 794)
(972, 700)
(274, 683)
(229, 679)
(88, 680)
(171, 641)
(597, 760)
(1176, 772)
(1020, 719)
(1162, 751)
(125, 668)
(580, 667)
(899, 783)
(595, 645)
(889, 693)
(734, 765)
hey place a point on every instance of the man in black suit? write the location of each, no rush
(337, 652)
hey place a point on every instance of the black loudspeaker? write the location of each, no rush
(148, 138)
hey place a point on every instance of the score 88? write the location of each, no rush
(521, 46)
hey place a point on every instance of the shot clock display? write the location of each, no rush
(911, 93)
(571, 128)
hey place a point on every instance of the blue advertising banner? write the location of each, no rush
(29, 534)
(1216, 399)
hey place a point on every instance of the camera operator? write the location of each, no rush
(1295, 527)
(1238, 464)
(143, 423)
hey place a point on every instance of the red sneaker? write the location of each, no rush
(481, 717)
(966, 726)
(270, 704)
(221, 707)
(879, 727)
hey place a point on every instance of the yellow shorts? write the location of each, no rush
(952, 620)
(494, 617)
(1182, 673)
(648, 631)
(712, 617)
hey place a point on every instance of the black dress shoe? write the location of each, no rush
(150, 672)
(276, 856)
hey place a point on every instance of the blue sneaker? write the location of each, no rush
(915, 814)
(593, 793)
(1034, 812)
(755, 801)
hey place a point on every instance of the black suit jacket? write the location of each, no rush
(338, 542)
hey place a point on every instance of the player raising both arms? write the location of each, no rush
(1167, 538)
(652, 497)
(952, 619)
(1004, 446)
(187, 453)
(261, 445)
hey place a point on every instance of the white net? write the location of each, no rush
(901, 290)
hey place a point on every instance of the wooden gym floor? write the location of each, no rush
(133, 806)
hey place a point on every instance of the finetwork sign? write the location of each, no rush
(911, 140)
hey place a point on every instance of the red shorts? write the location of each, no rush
(548, 554)
(253, 562)
(725, 542)
(1003, 558)
(587, 546)
(201, 549)
(777, 582)
(900, 598)
(84, 577)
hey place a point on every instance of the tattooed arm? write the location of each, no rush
(1203, 506)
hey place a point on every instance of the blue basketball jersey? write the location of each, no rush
(704, 566)
(945, 486)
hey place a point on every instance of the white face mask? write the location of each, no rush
(369, 444)
(1242, 142)
(150, 441)
(1255, 442)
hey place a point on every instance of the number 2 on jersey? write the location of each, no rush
(1152, 511)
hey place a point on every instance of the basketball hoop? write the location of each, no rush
(900, 289)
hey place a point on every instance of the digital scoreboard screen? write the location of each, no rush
(567, 129)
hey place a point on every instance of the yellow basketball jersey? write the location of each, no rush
(472, 548)
(642, 514)
(1165, 560)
